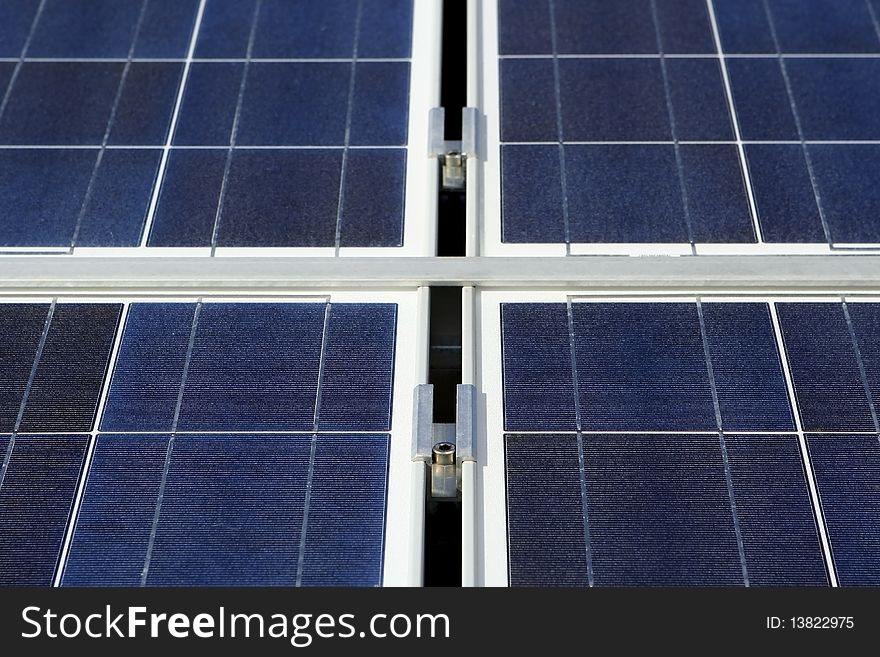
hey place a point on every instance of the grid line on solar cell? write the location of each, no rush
(19, 62)
(861, 363)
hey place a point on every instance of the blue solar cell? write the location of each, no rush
(21, 326)
(232, 511)
(386, 28)
(698, 101)
(824, 369)
(624, 193)
(538, 388)
(373, 198)
(613, 100)
(115, 213)
(70, 375)
(659, 511)
(43, 192)
(819, 26)
(865, 319)
(763, 107)
(819, 85)
(847, 470)
(16, 18)
(594, 26)
(531, 194)
(528, 100)
(60, 103)
(545, 511)
(166, 29)
(85, 28)
(295, 104)
(685, 27)
(717, 205)
(780, 540)
(306, 29)
(846, 177)
(254, 367)
(144, 110)
(641, 367)
(116, 515)
(344, 543)
(35, 500)
(187, 208)
(281, 198)
(356, 387)
(226, 27)
(379, 105)
(208, 108)
(783, 192)
(524, 27)
(749, 382)
(146, 380)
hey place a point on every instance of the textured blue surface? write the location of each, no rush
(545, 522)
(817, 26)
(21, 326)
(824, 369)
(36, 496)
(254, 366)
(538, 388)
(597, 27)
(528, 100)
(209, 101)
(658, 511)
(865, 319)
(749, 382)
(641, 367)
(846, 176)
(531, 194)
(780, 539)
(372, 201)
(144, 110)
(847, 469)
(761, 100)
(70, 375)
(232, 511)
(16, 17)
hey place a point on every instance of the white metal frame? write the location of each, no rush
(409, 369)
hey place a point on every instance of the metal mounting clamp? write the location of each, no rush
(453, 155)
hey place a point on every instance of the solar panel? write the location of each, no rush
(680, 442)
(681, 126)
(205, 441)
(209, 124)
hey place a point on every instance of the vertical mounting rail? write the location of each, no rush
(465, 439)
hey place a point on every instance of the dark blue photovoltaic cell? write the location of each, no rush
(780, 539)
(16, 18)
(345, 534)
(116, 516)
(166, 28)
(824, 369)
(819, 85)
(305, 29)
(85, 28)
(187, 209)
(528, 105)
(281, 198)
(226, 26)
(21, 326)
(70, 374)
(641, 367)
(144, 111)
(35, 500)
(749, 382)
(818, 26)
(538, 388)
(531, 194)
(762, 105)
(209, 101)
(865, 319)
(75, 112)
(386, 28)
(846, 178)
(380, 103)
(120, 197)
(698, 102)
(613, 100)
(847, 470)
(545, 520)
(253, 367)
(784, 195)
(146, 380)
(524, 27)
(624, 194)
(372, 201)
(232, 511)
(659, 511)
(358, 369)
